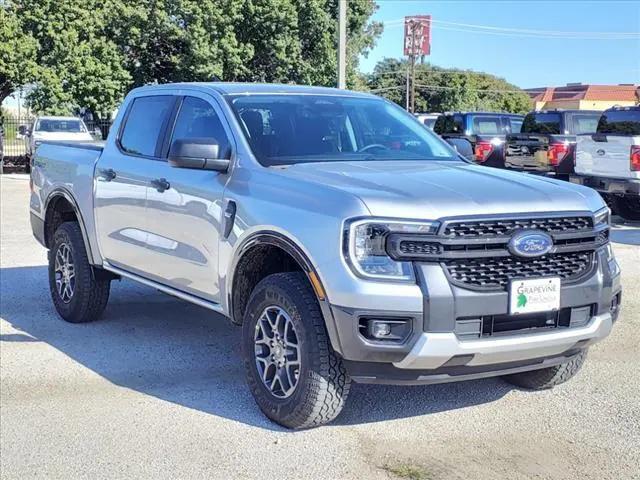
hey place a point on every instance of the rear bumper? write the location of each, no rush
(612, 186)
(434, 350)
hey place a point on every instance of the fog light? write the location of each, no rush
(389, 329)
(379, 329)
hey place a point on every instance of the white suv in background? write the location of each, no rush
(609, 160)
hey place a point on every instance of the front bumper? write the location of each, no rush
(436, 351)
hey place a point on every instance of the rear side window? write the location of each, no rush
(585, 123)
(515, 125)
(487, 125)
(145, 122)
(449, 124)
(198, 119)
(620, 122)
(541, 123)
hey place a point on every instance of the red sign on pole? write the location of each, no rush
(417, 35)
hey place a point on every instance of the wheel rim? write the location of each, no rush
(277, 351)
(65, 273)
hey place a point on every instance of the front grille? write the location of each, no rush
(494, 273)
(504, 227)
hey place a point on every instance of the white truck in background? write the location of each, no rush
(609, 160)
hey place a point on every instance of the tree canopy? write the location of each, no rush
(441, 90)
(90, 52)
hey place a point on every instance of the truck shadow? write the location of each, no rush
(626, 232)
(178, 352)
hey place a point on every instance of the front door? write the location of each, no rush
(184, 206)
(122, 180)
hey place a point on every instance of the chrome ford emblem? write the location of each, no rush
(530, 244)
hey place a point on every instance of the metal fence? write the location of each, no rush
(15, 138)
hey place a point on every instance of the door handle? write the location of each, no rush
(160, 184)
(107, 174)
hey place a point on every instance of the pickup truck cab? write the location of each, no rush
(478, 136)
(62, 129)
(348, 241)
(609, 160)
(546, 143)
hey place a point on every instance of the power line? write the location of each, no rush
(523, 32)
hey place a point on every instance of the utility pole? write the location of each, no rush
(342, 43)
(412, 58)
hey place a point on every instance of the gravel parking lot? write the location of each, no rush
(156, 390)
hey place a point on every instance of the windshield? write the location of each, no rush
(289, 129)
(56, 125)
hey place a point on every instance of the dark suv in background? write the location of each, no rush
(546, 143)
(479, 136)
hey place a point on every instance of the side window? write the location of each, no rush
(516, 125)
(198, 119)
(145, 123)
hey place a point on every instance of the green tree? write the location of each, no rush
(81, 66)
(238, 40)
(18, 65)
(440, 90)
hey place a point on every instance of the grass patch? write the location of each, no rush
(410, 472)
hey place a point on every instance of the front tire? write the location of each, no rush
(546, 378)
(78, 295)
(296, 378)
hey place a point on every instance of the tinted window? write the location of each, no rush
(487, 125)
(585, 123)
(144, 124)
(541, 123)
(56, 125)
(198, 119)
(620, 122)
(287, 129)
(429, 122)
(515, 125)
(449, 124)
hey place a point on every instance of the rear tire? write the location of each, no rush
(78, 295)
(628, 207)
(548, 377)
(312, 384)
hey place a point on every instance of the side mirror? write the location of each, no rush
(198, 153)
(23, 130)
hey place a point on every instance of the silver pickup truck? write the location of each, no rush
(348, 241)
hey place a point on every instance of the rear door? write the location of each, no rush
(607, 153)
(184, 206)
(122, 178)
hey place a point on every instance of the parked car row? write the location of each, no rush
(593, 148)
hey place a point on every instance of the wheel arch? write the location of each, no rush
(262, 242)
(59, 207)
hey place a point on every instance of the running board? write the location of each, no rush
(216, 307)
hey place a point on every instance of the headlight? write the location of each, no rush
(365, 247)
(602, 216)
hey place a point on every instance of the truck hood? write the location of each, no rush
(432, 190)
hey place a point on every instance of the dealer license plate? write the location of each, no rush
(530, 296)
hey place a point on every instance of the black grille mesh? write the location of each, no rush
(493, 228)
(409, 247)
(495, 273)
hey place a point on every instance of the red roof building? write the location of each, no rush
(577, 96)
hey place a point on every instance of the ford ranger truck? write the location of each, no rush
(350, 243)
(609, 160)
(547, 142)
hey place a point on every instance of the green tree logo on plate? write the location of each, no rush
(522, 300)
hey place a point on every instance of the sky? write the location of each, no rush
(526, 59)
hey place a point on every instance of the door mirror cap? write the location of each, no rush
(23, 130)
(198, 153)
